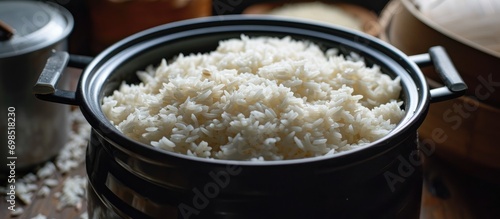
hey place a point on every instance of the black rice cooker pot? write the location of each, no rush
(133, 180)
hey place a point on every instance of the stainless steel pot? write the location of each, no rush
(37, 130)
(133, 180)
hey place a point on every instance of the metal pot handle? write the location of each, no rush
(454, 84)
(6, 31)
(46, 89)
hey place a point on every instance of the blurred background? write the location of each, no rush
(99, 23)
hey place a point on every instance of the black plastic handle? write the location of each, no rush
(454, 84)
(46, 86)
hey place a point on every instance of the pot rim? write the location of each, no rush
(414, 115)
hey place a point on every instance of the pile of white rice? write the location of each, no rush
(258, 99)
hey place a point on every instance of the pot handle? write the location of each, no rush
(454, 84)
(45, 88)
(6, 31)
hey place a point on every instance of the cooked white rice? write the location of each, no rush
(258, 99)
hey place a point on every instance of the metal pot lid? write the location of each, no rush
(27, 26)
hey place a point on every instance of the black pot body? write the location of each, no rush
(132, 180)
(386, 185)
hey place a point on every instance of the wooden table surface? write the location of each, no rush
(459, 195)
(47, 205)
(456, 195)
